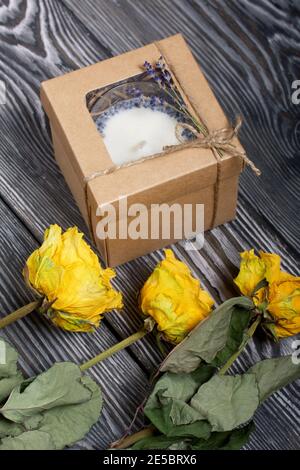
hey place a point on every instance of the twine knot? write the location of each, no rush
(219, 141)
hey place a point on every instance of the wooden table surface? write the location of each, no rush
(249, 52)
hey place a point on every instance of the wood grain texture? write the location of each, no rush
(34, 48)
(247, 50)
(249, 53)
(40, 344)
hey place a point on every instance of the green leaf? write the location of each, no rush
(59, 385)
(199, 429)
(9, 374)
(159, 442)
(239, 437)
(230, 440)
(239, 322)
(7, 428)
(55, 409)
(9, 358)
(69, 424)
(31, 440)
(168, 406)
(227, 401)
(273, 374)
(207, 339)
(8, 384)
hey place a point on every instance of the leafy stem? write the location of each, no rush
(248, 335)
(162, 76)
(20, 313)
(117, 347)
(128, 441)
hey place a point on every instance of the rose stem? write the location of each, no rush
(20, 313)
(247, 338)
(129, 440)
(117, 347)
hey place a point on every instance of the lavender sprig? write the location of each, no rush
(161, 75)
(134, 91)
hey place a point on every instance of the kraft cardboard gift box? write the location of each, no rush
(184, 176)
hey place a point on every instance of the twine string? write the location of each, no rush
(218, 141)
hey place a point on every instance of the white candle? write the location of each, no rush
(131, 134)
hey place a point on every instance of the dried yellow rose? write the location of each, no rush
(280, 297)
(284, 306)
(174, 299)
(68, 274)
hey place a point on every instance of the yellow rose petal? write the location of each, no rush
(284, 306)
(68, 274)
(252, 272)
(272, 266)
(174, 298)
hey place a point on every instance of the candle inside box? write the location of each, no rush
(139, 123)
(134, 133)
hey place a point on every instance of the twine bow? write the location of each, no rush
(219, 141)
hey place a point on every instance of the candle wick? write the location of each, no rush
(139, 145)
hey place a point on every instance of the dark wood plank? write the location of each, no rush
(41, 41)
(248, 51)
(245, 67)
(245, 62)
(40, 344)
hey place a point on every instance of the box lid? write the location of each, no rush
(64, 100)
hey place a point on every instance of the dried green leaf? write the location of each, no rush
(55, 409)
(9, 358)
(68, 424)
(9, 374)
(159, 442)
(30, 440)
(227, 401)
(59, 385)
(7, 428)
(239, 323)
(230, 440)
(207, 339)
(168, 406)
(8, 384)
(273, 374)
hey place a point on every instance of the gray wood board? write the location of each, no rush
(248, 51)
(40, 344)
